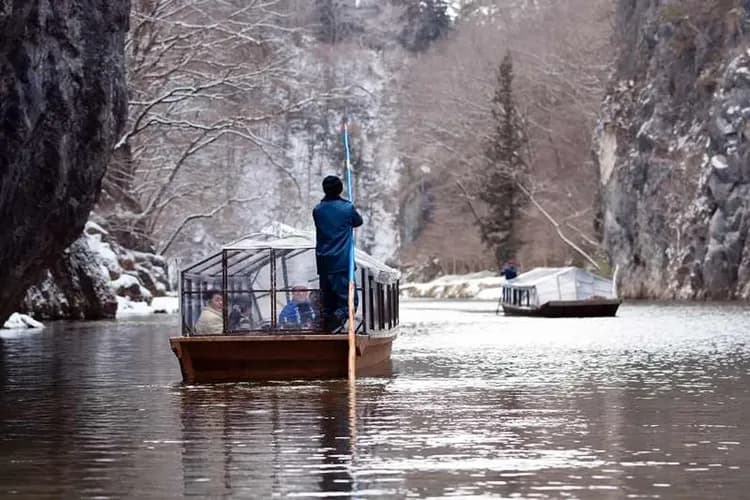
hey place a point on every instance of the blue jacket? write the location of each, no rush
(334, 218)
(509, 271)
(297, 313)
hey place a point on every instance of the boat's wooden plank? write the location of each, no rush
(267, 357)
(264, 337)
(327, 337)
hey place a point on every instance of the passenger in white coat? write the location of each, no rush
(211, 320)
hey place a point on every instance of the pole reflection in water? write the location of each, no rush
(265, 439)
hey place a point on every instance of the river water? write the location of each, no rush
(651, 404)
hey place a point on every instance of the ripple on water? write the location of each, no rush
(651, 404)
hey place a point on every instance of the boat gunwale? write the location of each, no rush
(565, 309)
(564, 303)
(260, 337)
(265, 337)
(583, 302)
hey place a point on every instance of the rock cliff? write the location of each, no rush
(673, 150)
(62, 104)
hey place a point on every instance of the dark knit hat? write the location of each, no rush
(332, 186)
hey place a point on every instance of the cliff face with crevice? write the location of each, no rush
(63, 102)
(673, 150)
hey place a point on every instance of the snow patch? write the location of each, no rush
(124, 281)
(165, 305)
(21, 321)
(489, 294)
(92, 228)
(719, 162)
(127, 307)
(104, 254)
(484, 285)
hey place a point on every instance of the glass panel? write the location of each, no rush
(245, 298)
(295, 268)
(248, 290)
(297, 290)
(301, 312)
(258, 290)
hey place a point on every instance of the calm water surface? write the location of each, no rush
(652, 404)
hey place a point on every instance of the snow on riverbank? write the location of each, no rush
(484, 285)
(125, 308)
(21, 321)
(159, 305)
(94, 277)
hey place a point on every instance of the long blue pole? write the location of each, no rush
(350, 193)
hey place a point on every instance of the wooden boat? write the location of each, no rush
(256, 276)
(560, 292)
(288, 356)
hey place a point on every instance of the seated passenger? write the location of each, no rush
(211, 320)
(298, 313)
(315, 304)
(239, 318)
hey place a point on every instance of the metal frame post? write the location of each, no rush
(364, 303)
(224, 316)
(273, 289)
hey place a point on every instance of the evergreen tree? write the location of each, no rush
(504, 170)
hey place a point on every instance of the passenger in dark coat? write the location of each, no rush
(334, 219)
(509, 270)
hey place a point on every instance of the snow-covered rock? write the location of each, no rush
(484, 285)
(127, 307)
(91, 273)
(166, 305)
(159, 305)
(19, 321)
(75, 287)
(130, 286)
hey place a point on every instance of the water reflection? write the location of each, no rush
(650, 404)
(269, 439)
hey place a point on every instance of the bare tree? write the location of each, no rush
(208, 80)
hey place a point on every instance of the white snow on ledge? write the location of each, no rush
(21, 321)
(127, 307)
(484, 285)
(165, 305)
(159, 305)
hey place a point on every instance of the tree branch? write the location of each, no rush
(206, 215)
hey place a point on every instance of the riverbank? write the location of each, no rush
(125, 308)
(484, 285)
(97, 278)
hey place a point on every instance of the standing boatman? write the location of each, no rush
(334, 219)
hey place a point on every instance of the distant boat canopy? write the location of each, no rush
(258, 275)
(549, 284)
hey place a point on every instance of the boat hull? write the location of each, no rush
(567, 309)
(224, 358)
